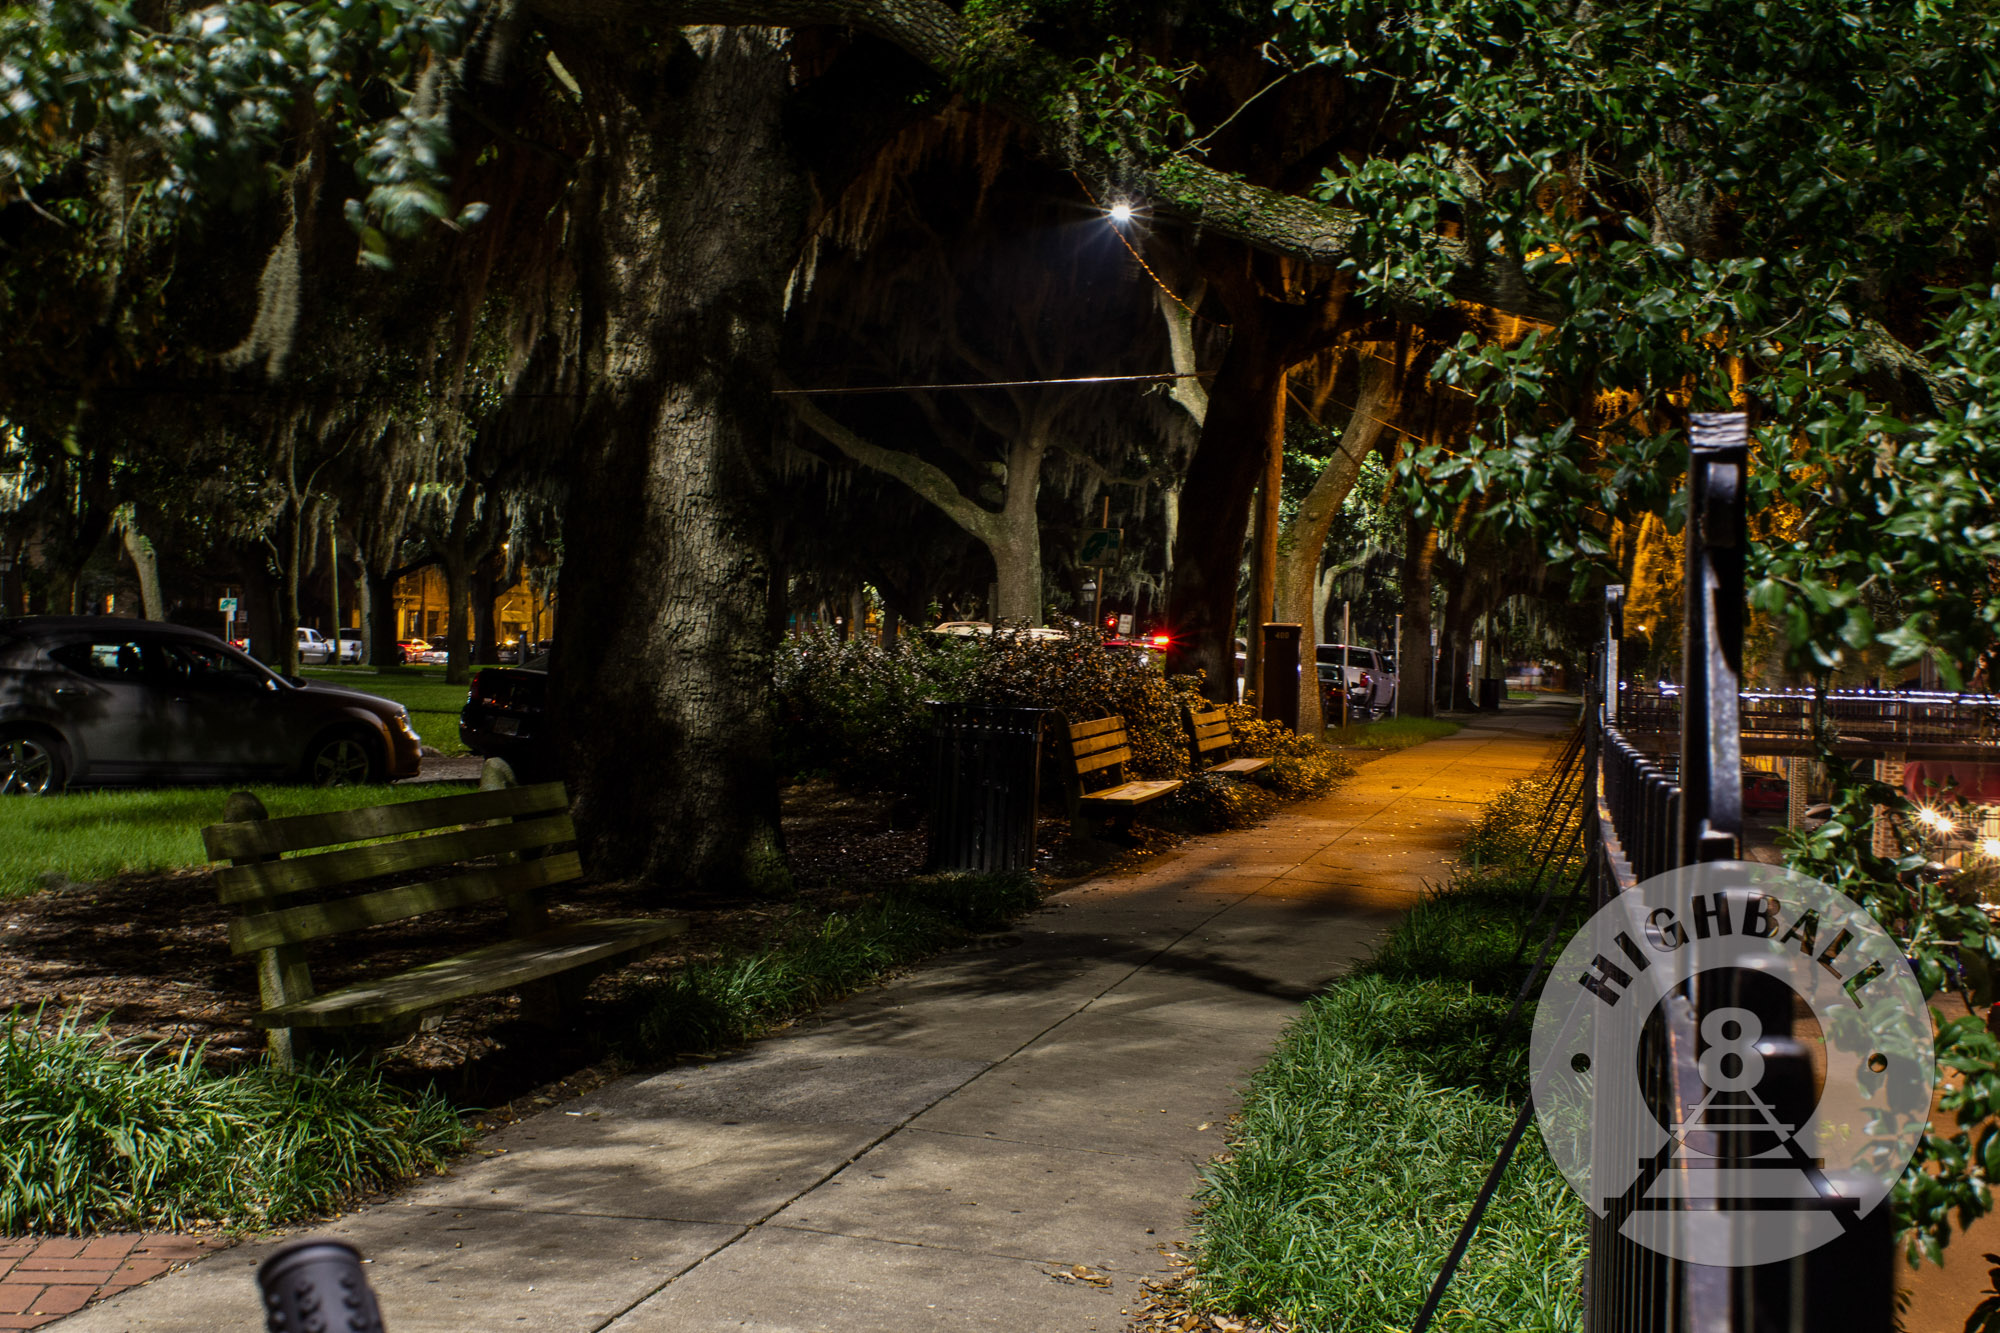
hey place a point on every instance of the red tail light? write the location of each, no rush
(1159, 640)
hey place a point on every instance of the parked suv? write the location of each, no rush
(89, 701)
(352, 647)
(1371, 680)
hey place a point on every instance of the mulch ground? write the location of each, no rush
(149, 954)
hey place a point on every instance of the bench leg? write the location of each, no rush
(555, 1002)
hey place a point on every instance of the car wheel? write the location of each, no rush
(343, 759)
(31, 764)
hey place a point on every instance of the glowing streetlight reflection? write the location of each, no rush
(1936, 820)
(1121, 213)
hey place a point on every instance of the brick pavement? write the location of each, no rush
(43, 1280)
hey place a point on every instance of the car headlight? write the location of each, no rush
(403, 721)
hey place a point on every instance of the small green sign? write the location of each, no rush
(1100, 546)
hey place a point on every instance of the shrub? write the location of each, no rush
(859, 713)
(101, 1134)
(1300, 765)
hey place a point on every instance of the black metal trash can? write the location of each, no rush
(1491, 691)
(985, 786)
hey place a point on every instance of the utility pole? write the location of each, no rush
(333, 568)
(1346, 716)
(1397, 650)
(1097, 611)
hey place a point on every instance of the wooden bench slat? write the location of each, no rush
(1134, 793)
(1110, 740)
(496, 967)
(296, 925)
(1096, 727)
(1108, 758)
(273, 879)
(272, 837)
(1210, 731)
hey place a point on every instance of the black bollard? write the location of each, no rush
(317, 1286)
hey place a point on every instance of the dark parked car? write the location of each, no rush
(505, 718)
(95, 701)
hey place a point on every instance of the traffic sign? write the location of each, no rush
(227, 606)
(1100, 546)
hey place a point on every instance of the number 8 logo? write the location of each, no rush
(1723, 1043)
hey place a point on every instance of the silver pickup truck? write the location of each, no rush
(1371, 681)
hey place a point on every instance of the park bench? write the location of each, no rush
(1097, 751)
(1209, 732)
(512, 845)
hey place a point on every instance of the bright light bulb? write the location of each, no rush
(1935, 819)
(1121, 212)
(1991, 847)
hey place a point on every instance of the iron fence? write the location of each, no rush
(1656, 814)
(1870, 719)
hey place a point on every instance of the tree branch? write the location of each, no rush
(993, 63)
(925, 479)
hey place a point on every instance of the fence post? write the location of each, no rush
(1711, 822)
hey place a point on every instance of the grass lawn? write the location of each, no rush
(1364, 1140)
(92, 835)
(434, 706)
(1394, 733)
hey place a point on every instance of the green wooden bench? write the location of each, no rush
(1099, 751)
(1209, 732)
(512, 845)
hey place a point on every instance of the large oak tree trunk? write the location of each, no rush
(1245, 420)
(661, 677)
(486, 578)
(457, 617)
(1415, 686)
(1016, 545)
(145, 566)
(1303, 545)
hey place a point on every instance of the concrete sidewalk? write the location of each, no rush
(1000, 1141)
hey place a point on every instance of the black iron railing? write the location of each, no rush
(1656, 814)
(1860, 721)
